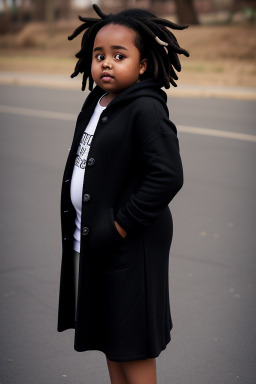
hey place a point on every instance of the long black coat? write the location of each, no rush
(133, 171)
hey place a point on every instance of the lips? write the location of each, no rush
(106, 74)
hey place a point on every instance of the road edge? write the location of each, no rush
(183, 90)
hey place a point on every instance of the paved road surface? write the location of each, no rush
(212, 262)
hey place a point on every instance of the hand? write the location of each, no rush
(121, 231)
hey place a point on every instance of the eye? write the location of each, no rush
(100, 57)
(119, 56)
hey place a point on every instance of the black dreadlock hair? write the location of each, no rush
(154, 42)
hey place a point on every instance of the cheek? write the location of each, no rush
(94, 69)
(129, 70)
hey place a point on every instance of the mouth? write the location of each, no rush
(106, 76)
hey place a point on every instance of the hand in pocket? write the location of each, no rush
(121, 230)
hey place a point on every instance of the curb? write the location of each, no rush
(65, 82)
(204, 91)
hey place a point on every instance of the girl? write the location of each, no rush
(122, 171)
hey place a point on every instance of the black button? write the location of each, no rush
(86, 197)
(85, 230)
(104, 119)
(91, 161)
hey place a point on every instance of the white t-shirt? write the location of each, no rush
(77, 180)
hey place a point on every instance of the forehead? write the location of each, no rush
(115, 34)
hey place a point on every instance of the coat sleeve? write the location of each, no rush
(157, 140)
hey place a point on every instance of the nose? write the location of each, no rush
(107, 64)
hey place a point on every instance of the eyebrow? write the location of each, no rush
(112, 47)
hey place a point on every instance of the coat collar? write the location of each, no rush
(148, 87)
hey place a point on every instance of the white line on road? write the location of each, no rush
(181, 128)
(217, 133)
(37, 113)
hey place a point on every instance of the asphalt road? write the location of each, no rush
(212, 260)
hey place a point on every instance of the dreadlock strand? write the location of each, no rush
(87, 33)
(84, 39)
(74, 74)
(170, 73)
(76, 70)
(173, 82)
(85, 65)
(156, 66)
(145, 28)
(80, 54)
(91, 20)
(175, 61)
(165, 76)
(88, 22)
(77, 31)
(170, 40)
(91, 81)
(94, 29)
(99, 12)
(83, 50)
(176, 47)
(84, 81)
(171, 35)
(84, 45)
(148, 31)
(169, 23)
(81, 65)
(173, 73)
(168, 34)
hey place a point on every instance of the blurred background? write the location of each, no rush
(221, 38)
(212, 258)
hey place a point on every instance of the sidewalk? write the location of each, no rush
(65, 82)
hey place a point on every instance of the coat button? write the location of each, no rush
(86, 197)
(85, 230)
(104, 119)
(91, 161)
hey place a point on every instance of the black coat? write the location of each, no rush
(133, 171)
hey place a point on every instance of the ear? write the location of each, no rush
(143, 66)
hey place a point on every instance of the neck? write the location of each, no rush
(107, 99)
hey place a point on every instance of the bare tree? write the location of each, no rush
(39, 10)
(66, 6)
(186, 12)
(5, 23)
(6, 8)
(49, 16)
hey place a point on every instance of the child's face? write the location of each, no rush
(116, 63)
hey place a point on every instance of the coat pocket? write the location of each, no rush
(112, 222)
(107, 248)
(117, 256)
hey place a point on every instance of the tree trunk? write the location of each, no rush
(66, 6)
(186, 12)
(6, 8)
(49, 16)
(5, 25)
(39, 10)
